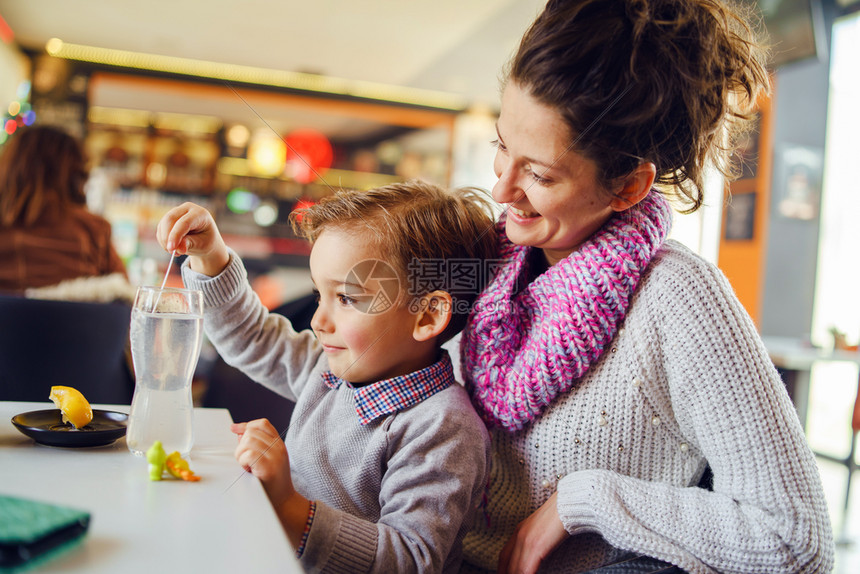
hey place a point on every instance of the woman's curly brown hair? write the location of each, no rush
(672, 82)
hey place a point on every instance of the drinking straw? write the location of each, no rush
(163, 283)
(167, 271)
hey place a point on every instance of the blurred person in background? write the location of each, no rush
(47, 234)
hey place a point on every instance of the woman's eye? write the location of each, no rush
(316, 295)
(538, 177)
(498, 144)
(541, 180)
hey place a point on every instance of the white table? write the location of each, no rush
(795, 359)
(223, 523)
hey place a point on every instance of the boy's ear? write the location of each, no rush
(635, 187)
(433, 315)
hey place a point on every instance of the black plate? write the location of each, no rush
(47, 427)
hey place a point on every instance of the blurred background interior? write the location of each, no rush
(255, 108)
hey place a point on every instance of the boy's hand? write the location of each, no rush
(262, 452)
(190, 230)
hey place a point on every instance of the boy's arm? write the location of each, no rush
(436, 473)
(262, 452)
(263, 345)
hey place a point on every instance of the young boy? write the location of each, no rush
(387, 458)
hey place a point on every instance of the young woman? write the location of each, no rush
(47, 235)
(614, 366)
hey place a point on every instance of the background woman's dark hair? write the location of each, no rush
(673, 82)
(42, 170)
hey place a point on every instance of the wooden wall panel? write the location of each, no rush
(743, 241)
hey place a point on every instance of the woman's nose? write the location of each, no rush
(506, 189)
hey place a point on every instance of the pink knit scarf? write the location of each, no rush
(523, 348)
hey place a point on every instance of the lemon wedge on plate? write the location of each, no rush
(73, 406)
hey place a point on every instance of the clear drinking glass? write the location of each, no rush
(166, 335)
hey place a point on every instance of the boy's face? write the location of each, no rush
(362, 321)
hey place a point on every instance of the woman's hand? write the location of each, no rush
(262, 452)
(190, 230)
(534, 539)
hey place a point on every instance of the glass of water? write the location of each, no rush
(166, 335)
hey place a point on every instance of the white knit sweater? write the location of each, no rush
(687, 380)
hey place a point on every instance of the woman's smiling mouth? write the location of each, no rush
(521, 213)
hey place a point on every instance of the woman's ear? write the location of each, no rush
(635, 187)
(432, 316)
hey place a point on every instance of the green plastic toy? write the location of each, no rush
(174, 464)
(156, 458)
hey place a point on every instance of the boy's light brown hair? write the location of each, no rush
(416, 226)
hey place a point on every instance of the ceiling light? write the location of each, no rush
(267, 153)
(254, 75)
(267, 214)
(238, 136)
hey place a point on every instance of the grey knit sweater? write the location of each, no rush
(395, 495)
(686, 380)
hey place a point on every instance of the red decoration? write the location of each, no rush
(309, 155)
(6, 33)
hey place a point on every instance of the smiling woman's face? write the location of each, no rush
(554, 200)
